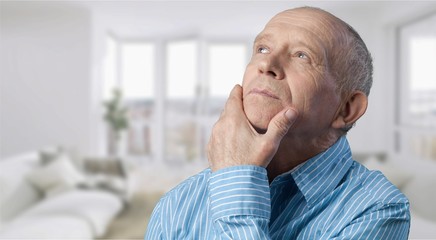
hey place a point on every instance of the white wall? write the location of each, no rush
(45, 76)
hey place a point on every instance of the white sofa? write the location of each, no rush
(418, 184)
(45, 201)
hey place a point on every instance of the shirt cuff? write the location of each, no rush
(240, 190)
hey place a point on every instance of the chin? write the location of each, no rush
(258, 120)
(260, 112)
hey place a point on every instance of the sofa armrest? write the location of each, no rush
(421, 194)
(16, 193)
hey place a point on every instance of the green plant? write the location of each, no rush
(116, 114)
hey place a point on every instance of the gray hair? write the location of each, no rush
(353, 66)
(351, 63)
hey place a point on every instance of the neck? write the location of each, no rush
(292, 152)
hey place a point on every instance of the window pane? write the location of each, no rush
(423, 54)
(181, 69)
(110, 68)
(137, 73)
(417, 102)
(226, 67)
(181, 105)
(416, 98)
(423, 75)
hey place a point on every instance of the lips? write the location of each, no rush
(263, 92)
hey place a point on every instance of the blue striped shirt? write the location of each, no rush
(330, 196)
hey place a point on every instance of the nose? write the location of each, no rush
(270, 65)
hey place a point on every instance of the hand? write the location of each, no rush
(234, 141)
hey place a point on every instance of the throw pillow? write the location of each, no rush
(58, 175)
(49, 154)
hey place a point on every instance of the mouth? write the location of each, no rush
(263, 92)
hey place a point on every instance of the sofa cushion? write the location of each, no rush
(57, 176)
(95, 207)
(52, 153)
(47, 227)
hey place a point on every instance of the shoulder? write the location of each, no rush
(374, 186)
(192, 185)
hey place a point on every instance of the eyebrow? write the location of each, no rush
(268, 37)
(315, 51)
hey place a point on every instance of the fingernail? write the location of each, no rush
(291, 114)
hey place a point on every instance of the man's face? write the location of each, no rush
(289, 68)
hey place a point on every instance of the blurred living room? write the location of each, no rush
(106, 105)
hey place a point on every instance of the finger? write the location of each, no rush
(278, 126)
(234, 102)
(236, 91)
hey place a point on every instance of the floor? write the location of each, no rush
(132, 222)
(147, 184)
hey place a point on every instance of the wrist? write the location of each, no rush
(240, 190)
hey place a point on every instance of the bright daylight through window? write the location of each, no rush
(197, 79)
(416, 98)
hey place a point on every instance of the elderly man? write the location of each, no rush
(280, 165)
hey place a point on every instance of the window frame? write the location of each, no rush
(202, 121)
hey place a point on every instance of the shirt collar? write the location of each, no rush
(319, 175)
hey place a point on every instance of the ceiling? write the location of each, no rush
(132, 19)
(150, 19)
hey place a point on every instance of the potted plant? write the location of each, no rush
(116, 118)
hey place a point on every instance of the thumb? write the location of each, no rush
(278, 126)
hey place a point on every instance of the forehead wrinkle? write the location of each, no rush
(318, 22)
(263, 37)
(316, 16)
(315, 25)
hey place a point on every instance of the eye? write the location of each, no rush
(302, 55)
(262, 50)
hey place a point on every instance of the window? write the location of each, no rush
(129, 67)
(181, 115)
(227, 65)
(179, 105)
(137, 82)
(137, 71)
(423, 79)
(416, 124)
(110, 69)
(226, 68)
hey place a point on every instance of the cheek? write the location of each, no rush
(317, 108)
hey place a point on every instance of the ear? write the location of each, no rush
(351, 110)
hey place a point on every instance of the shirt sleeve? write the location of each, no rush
(388, 221)
(240, 202)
